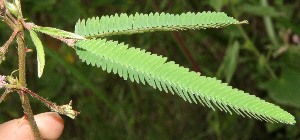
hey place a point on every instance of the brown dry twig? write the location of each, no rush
(63, 109)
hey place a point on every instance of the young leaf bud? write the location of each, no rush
(12, 8)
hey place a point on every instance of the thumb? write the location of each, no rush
(50, 125)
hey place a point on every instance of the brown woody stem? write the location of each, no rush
(22, 81)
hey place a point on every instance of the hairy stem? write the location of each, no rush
(12, 18)
(22, 81)
(4, 48)
(6, 92)
(10, 23)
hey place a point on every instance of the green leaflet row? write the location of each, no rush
(141, 66)
(139, 23)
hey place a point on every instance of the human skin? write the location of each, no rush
(50, 125)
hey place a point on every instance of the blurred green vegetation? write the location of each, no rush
(262, 58)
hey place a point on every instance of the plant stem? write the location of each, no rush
(4, 48)
(9, 22)
(22, 81)
(6, 92)
(64, 109)
(19, 33)
(12, 18)
(186, 51)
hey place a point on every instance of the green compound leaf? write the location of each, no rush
(131, 24)
(141, 66)
(40, 52)
(56, 32)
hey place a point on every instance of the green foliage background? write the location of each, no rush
(112, 108)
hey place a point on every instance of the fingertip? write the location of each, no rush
(50, 124)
